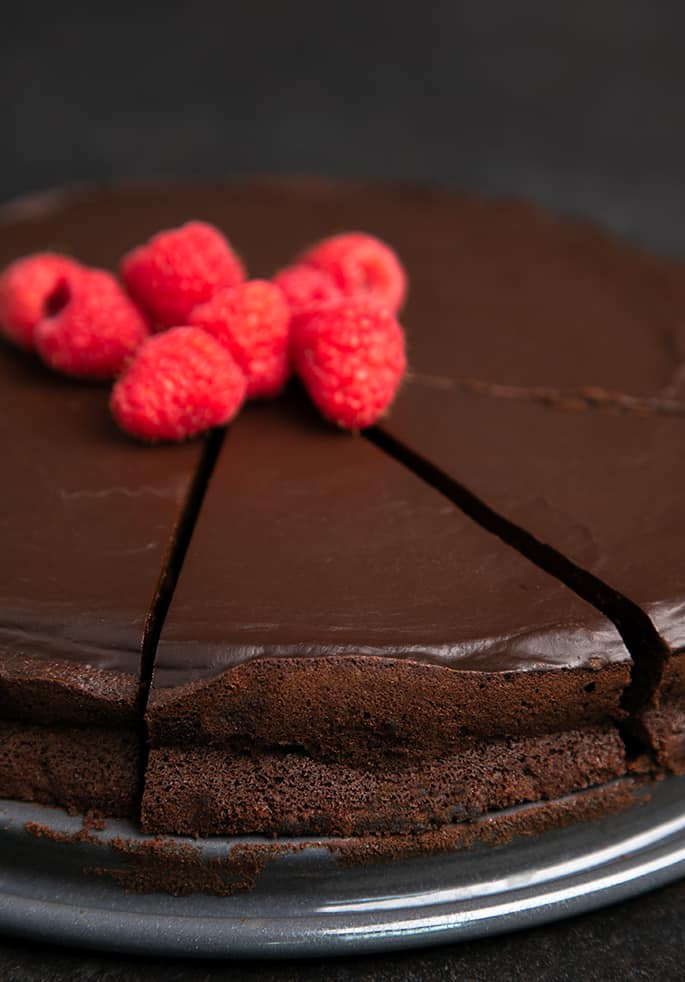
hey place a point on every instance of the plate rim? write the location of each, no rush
(647, 851)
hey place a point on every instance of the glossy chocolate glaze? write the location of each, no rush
(88, 519)
(314, 543)
(577, 435)
(602, 488)
(494, 285)
(88, 516)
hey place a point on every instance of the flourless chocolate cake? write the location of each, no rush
(474, 605)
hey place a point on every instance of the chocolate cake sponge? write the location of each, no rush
(292, 792)
(79, 767)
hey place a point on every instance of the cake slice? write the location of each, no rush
(89, 523)
(347, 653)
(89, 520)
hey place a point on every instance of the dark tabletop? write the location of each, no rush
(577, 103)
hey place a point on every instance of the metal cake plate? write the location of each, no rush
(307, 903)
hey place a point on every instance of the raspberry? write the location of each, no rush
(361, 265)
(351, 358)
(306, 288)
(180, 383)
(96, 330)
(251, 320)
(30, 288)
(179, 269)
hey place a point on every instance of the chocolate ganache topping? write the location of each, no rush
(501, 295)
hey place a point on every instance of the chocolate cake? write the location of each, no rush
(476, 604)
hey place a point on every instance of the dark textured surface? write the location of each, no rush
(578, 105)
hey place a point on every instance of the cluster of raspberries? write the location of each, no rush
(188, 337)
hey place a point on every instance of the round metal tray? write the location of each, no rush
(307, 903)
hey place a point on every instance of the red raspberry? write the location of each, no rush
(251, 320)
(179, 269)
(180, 383)
(306, 288)
(350, 356)
(30, 288)
(361, 265)
(96, 330)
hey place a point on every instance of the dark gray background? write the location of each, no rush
(576, 103)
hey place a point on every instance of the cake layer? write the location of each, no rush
(665, 728)
(52, 690)
(78, 768)
(287, 792)
(346, 706)
(663, 723)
